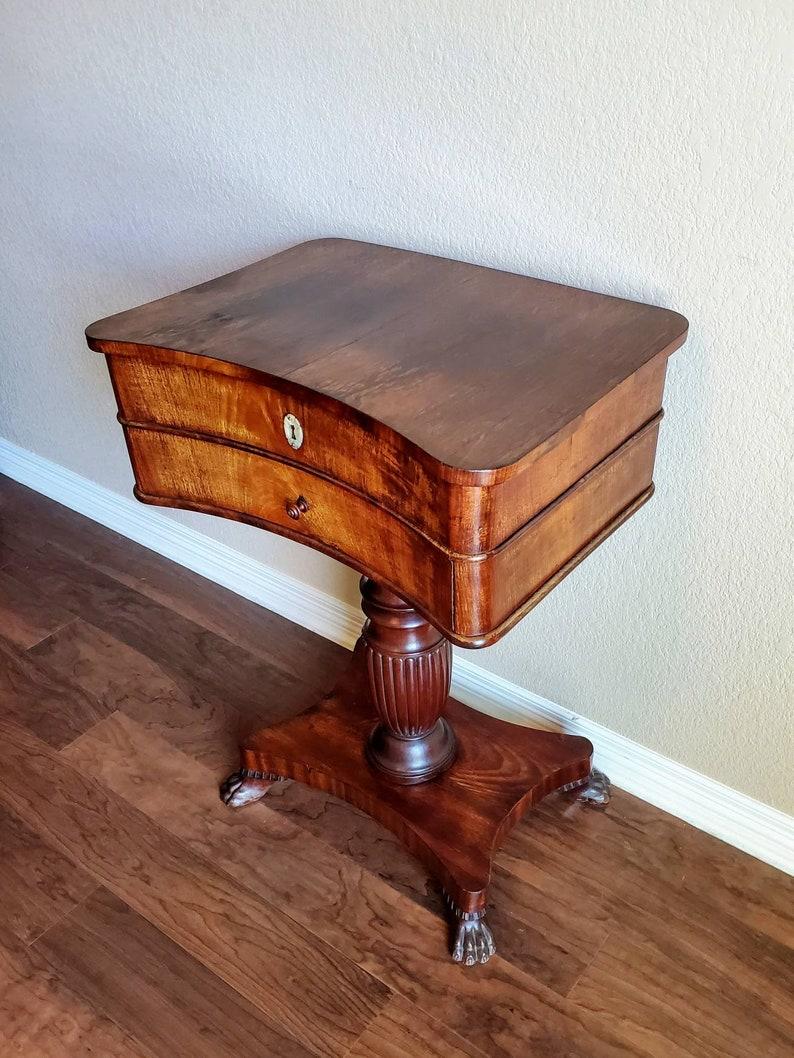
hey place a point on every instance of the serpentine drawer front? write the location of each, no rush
(470, 598)
(208, 398)
(462, 437)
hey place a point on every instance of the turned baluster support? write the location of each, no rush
(409, 665)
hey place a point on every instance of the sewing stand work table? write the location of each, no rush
(462, 437)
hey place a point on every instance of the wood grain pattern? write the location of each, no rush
(436, 431)
(555, 466)
(454, 824)
(634, 935)
(120, 677)
(41, 700)
(412, 342)
(464, 453)
(740, 888)
(26, 616)
(405, 1031)
(150, 986)
(491, 595)
(148, 763)
(192, 903)
(658, 990)
(155, 391)
(41, 1017)
(206, 401)
(276, 859)
(198, 661)
(216, 479)
(473, 601)
(35, 523)
(39, 886)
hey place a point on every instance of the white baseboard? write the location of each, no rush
(756, 828)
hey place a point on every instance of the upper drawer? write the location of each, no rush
(335, 440)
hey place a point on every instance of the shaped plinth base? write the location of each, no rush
(453, 823)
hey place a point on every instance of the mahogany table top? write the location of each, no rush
(475, 366)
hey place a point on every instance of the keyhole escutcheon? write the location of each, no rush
(293, 430)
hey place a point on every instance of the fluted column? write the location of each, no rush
(409, 666)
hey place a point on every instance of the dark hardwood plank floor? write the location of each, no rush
(139, 918)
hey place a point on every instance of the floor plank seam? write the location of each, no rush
(52, 632)
(585, 969)
(285, 910)
(66, 916)
(99, 1009)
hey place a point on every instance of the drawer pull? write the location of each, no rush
(299, 507)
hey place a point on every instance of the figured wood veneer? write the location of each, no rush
(456, 414)
(473, 599)
(473, 366)
(467, 512)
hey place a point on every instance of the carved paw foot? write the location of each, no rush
(243, 787)
(472, 940)
(595, 789)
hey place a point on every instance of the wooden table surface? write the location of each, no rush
(475, 366)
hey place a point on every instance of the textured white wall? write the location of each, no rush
(634, 148)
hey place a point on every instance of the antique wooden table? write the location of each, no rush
(461, 436)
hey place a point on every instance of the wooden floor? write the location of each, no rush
(139, 917)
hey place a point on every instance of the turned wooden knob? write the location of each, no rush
(299, 507)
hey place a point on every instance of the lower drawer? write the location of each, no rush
(216, 478)
(493, 591)
(472, 599)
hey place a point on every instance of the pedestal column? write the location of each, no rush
(409, 665)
